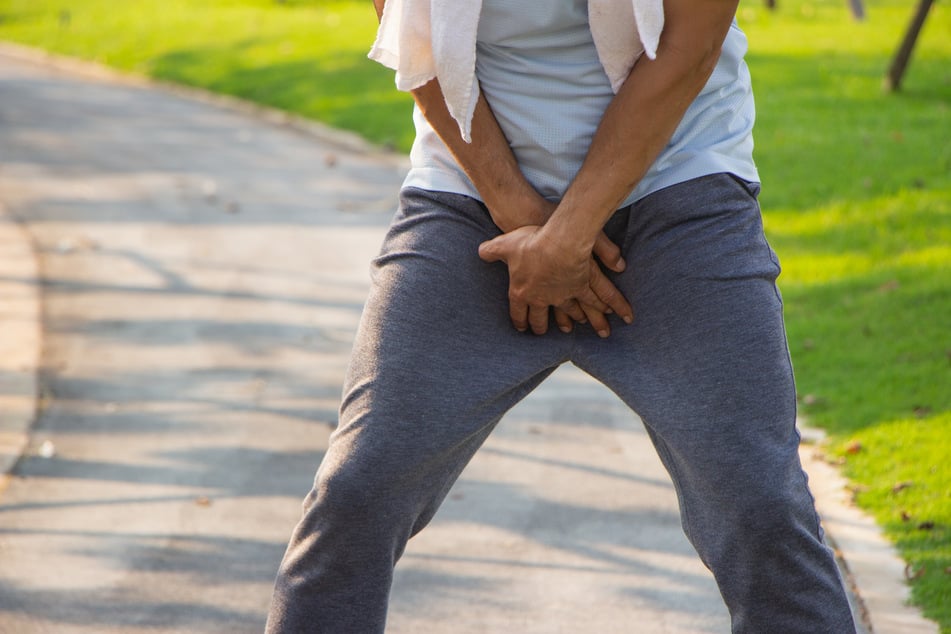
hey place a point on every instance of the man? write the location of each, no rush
(574, 158)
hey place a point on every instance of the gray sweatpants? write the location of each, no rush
(437, 363)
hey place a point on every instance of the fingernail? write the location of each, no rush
(628, 319)
(603, 334)
(565, 329)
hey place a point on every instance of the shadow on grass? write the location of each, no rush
(825, 130)
(890, 328)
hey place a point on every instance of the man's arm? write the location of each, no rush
(546, 264)
(641, 119)
(488, 160)
(512, 202)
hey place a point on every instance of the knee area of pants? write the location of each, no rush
(770, 515)
(345, 495)
(769, 532)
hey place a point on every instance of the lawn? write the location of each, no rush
(308, 57)
(857, 198)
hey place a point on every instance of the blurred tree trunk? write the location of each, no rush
(897, 70)
(858, 11)
(856, 5)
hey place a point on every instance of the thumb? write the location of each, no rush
(493, 250)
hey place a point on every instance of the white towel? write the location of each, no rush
(426, 39)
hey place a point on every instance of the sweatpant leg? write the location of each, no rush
(706, 366)
(435, 365)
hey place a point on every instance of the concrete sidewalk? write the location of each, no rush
(201, 269)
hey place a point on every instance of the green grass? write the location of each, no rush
(306, 57)
(857, 197)
(857, 200)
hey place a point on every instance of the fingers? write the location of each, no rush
(597, 319)
(567, 314)
(538, 319)
(565, 323)
(518, 313)
(525, 316)
(609, 253)
(598, 300)
(609, 294)
(573, 308)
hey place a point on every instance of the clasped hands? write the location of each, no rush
(545, 273)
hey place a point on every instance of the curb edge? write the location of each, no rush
(871, 565)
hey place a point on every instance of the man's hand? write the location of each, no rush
(543, 274)
(536, 211)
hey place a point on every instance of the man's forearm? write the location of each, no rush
(642, 117)
(488, 161)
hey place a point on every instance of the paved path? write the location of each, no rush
(202, 277)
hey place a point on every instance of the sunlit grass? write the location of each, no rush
(853, 239)
(856, 196)
(867, 287)
(868, 298)
(903, 470)
(305, 57)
